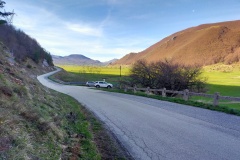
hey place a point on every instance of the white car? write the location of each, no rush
(103, 84)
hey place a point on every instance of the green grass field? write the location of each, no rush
(221, 78)
(94, 73)
(224, 79)
(105, 70)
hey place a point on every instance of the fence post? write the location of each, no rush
(148, 90)
(125, 88)
(164, 92)
(186, 94)
(135, 89)
(216, 98)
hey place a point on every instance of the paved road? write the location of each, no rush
(152, 129)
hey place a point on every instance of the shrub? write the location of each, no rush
(6, 91)
(164, 74)
(29, 66)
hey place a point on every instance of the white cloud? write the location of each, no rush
(85, 30)
(61, 37)
(32, 14)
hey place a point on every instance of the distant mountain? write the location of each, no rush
(110, 62)
(203, 45)
(74, 59)
(78, 59)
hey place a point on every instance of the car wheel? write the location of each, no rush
(97, 86)
(109, 87)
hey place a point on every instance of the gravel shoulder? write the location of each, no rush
(106, 142)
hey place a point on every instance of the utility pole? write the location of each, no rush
(120, 71)
(120, 77)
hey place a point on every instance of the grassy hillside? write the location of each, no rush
(38, 123)
(203, 45)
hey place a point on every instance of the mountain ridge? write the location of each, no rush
(22, 46)
(205, 44)
(78, 59)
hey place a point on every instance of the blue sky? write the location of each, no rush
(107, 29)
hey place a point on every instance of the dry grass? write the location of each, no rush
(24, 132)
(202, 45)
(34, 121)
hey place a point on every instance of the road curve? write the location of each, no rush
(156, 130)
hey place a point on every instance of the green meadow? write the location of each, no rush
(221, 78)
(112, 74)
(224, 79)
(106, 70)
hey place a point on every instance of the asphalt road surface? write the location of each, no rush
(157, 130)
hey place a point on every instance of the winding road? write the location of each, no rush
(156, 130)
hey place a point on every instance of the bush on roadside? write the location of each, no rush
(164, 74)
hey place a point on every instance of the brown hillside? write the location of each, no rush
(203, 45)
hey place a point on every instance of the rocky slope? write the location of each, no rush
(203, 45)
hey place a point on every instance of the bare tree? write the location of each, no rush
(164, 74)
(141, 73)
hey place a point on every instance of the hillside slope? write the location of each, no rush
(22, 46)
(38, 123)
(24, 131)
(203, 45)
